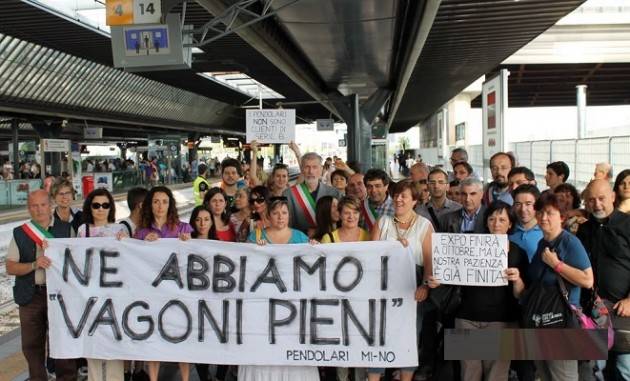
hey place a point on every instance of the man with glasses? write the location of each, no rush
(439, 204)
(501, 164)
(419, 172)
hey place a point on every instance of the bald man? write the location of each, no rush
(606, 237)
(27, 262)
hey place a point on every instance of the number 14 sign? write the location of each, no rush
(128, 12)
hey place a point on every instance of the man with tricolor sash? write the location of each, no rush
(303, 197)
(27, 262)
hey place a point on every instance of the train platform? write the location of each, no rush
(13, 366)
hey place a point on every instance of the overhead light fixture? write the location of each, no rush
(242, 83)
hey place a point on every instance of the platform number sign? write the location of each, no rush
(130, 12)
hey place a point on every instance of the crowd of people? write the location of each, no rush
(581, 239)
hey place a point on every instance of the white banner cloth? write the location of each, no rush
(205, 301)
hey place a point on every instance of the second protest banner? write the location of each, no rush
(203, 301)
(470, 259)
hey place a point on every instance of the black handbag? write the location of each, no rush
(621, 326)
(547, 306)
(446, 298)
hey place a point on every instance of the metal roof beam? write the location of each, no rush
(420, 37)
(276, 52)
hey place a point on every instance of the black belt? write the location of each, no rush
(40, 287)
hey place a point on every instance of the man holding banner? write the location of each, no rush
(26, 260)
(303, 197)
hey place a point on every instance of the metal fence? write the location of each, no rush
(581, 155)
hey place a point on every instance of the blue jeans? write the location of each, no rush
(623, 365)
(420, 309)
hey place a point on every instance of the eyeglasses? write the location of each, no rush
(63, 194)
(257, 200)
(96, 205)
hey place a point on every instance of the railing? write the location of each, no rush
(581, 155)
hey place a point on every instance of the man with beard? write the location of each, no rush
(501, 164)
(303, 197)
(606, 238)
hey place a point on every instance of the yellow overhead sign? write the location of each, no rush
(119, 12)
(130, 12)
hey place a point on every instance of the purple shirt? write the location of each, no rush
(165, 232)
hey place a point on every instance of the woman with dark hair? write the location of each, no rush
(201, 222)
(493, 307)
(339, 180)
(326, 215)
(160, 220)
(622, 191)
(559, 255)
(413, 231)
(569, 202)
(99, 216)
(240, 212)
(258, 219)
(217, 203)
(62, 192)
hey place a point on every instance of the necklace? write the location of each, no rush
(398, 230)
(399, 221)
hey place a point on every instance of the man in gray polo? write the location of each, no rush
(439, 205)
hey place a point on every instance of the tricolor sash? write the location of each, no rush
(306, 202)
(369, 214)
(36, 232)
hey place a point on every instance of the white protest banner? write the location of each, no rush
(270, 126)
(470, 259)
(202, 301)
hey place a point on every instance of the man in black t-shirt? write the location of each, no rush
(606, 238)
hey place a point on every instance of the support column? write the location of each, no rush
(15, 125)
(581, 109)
(359, 119)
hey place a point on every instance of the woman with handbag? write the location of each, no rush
(493, 307)
(560, 263)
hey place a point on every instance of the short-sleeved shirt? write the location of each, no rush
(109, 230)
(363, 236)
(228, 235)
(570, 251)
(296, 236)
(527, 239)
(166, 231)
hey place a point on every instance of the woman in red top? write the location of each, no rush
(216, 201)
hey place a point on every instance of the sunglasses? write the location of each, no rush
(257, 200)
(96, 205)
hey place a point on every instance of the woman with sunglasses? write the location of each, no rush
(99, 215)
(63, 194)
(216, 202)
(161, 220)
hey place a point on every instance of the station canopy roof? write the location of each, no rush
(422, 52)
